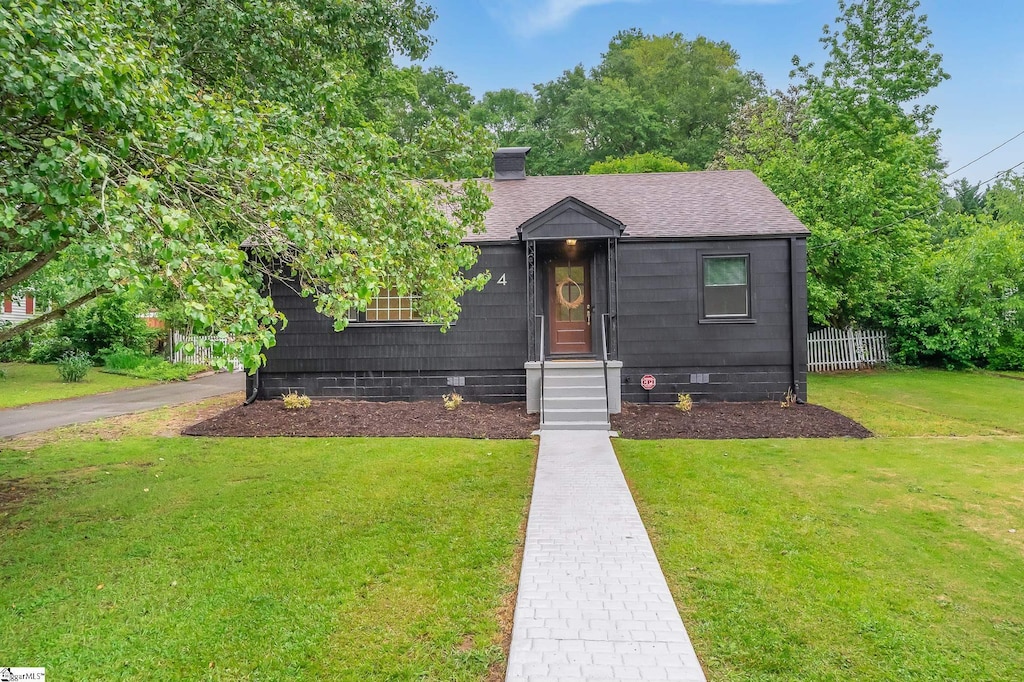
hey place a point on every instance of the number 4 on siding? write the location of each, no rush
(501, 280)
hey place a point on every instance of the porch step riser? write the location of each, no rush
(575, 426)
(576, 402)
(574, 382)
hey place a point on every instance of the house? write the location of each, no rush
(17, 310)
(697, 279)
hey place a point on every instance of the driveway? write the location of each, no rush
(44, 416)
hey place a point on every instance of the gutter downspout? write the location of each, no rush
(795, 371)
(255, 388)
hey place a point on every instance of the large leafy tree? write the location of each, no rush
(508, 114)
(852, 153)
(192, 150)
(650, 94)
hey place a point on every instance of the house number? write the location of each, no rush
(501, 280)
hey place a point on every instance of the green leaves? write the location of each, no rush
(194, 151)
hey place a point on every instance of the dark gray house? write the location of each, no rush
(697, 279)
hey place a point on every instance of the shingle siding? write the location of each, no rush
(487, 346)
(659, 332)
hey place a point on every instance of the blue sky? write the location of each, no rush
(491, 44)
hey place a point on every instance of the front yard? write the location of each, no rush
(174, 558)
(131, 555)
(893, 558)
(26, 383)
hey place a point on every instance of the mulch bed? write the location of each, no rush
(361, 418)
(509, 420)
(734, 420)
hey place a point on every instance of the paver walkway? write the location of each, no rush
(42, 416)
(593, 603)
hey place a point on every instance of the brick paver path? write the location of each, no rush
(593, 604)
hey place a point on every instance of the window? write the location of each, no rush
(726, 289)
(388, 306)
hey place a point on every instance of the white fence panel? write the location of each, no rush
(831, 350)
(203, 355)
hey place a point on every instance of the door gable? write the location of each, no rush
(570, 218)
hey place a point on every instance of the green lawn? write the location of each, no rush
(924, 402)
(175, 558)
(26, 383)
(883, 559)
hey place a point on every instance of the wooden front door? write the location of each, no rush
(569, 306)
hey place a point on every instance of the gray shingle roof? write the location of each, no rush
(696, 204)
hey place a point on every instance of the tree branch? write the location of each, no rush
(11, 332)
(34, 264)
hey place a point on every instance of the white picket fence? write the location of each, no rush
(203, 354)
(830, 350)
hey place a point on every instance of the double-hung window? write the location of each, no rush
(726, 286)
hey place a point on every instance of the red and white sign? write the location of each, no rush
(648, 382)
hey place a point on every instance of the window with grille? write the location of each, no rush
(388, 306)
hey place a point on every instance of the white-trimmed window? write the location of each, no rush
(726, 287)
(389, 306)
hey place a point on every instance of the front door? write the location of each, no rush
(569, 306)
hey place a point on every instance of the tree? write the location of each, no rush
(651, 162)
(1004, 201)
(507, 114)
(190, 151)
(853, 155)
(428, 95)
(661, 94)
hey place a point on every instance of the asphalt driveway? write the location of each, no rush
(43, 416)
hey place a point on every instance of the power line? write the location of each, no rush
(997, 147)
(912, 215)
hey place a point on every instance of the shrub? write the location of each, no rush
(296, 401)
(452, 400)
(684, 403)
(16, 349)
(73, 366)
(123, 358)
(3, 373)
(50, 348)
(153, 368)
(789, 399)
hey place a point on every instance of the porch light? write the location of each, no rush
(570, 242)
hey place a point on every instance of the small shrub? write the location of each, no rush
(451, 400)
(684, 403)
(73, 366)
(159, 369)
(296, 401)
(50, 349)
(121, 357)
(3, 373)
(788, 400)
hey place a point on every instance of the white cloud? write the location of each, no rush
(533, 17)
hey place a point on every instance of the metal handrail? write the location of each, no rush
(604, 363)
(540, 348)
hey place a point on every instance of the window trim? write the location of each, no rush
(704, 318)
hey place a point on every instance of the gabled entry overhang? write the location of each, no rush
(570, 218)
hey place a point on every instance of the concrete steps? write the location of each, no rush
(574, 396)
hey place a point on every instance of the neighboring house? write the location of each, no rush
(698, 279)
(18, 309)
